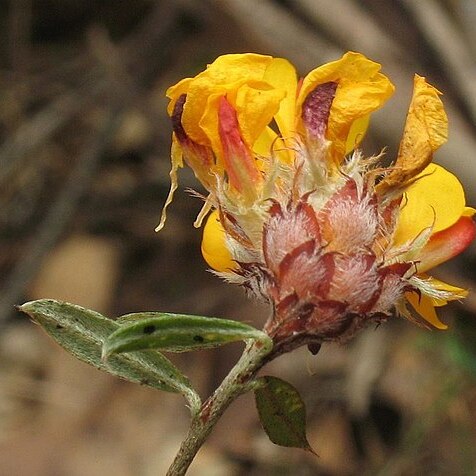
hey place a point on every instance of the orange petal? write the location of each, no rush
(197, 156)
(446, 244)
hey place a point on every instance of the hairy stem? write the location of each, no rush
(234, 384)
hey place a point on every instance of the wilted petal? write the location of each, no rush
(177, 162)
(436, 199)
(175, 92)
(426, 129)
(446, 292)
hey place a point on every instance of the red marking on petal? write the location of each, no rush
(299, 86)
(176, 119)
(198, 157)
(240, 165)
(316, 109)
(448, 243)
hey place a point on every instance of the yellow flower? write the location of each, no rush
(301, 218)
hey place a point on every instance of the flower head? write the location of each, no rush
(298, 216)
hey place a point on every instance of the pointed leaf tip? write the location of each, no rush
(282, 413)
(177, 333)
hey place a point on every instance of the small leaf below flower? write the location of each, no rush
(82, 333)
(177, 333)
(282, 413)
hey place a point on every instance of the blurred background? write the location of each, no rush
(84, 161)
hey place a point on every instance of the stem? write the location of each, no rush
(234, 384)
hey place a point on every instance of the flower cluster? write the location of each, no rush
(297, 214)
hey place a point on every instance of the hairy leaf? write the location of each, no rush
(82, 333)
(176, 333)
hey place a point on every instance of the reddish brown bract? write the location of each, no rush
(324, 269)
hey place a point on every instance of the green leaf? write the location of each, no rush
(176, 333)
(82, 333)
(282, 413)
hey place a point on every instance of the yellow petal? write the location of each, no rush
(268, 144)
(208, 125)
(281, 75)
(264, 143)
(361, 90)
(175, 91)
(255, 110)
(357, 133)
(424, 306)
(426, 129)
(435, 199)
(214, 248)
